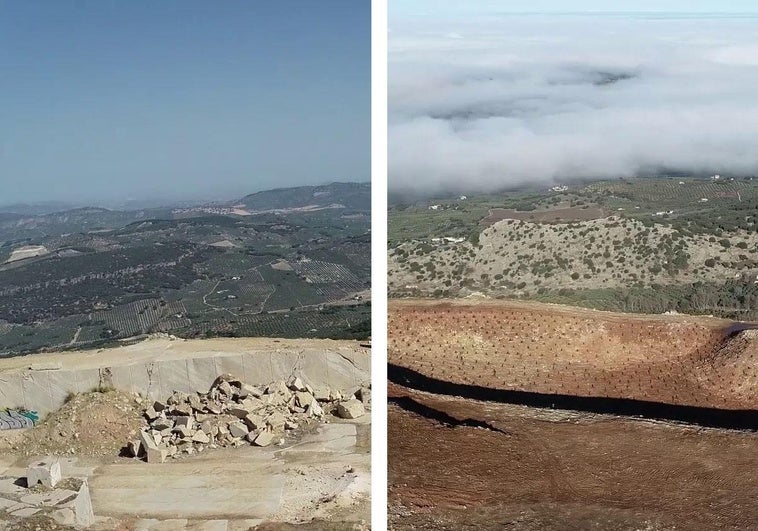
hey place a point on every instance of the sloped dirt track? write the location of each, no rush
(557, 471)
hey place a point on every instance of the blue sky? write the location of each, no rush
(103, 100)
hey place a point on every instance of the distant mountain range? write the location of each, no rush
(25, 222)
(354, 196)
(36, 209)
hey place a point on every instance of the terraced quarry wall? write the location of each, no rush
(157, 367)
(554, 350)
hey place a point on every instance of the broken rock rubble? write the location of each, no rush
(233, 413)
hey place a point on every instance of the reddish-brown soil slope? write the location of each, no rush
(682, 360)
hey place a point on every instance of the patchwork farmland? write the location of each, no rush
(647, 245)
(192, 273)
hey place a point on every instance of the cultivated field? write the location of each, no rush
(108, 276)
(508, 411)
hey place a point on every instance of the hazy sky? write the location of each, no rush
(482, 101)
(445, 7)
(107, 99)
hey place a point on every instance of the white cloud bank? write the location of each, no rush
(484, 104)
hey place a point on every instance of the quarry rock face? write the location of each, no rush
(234, 413)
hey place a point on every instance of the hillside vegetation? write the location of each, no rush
(693, 260)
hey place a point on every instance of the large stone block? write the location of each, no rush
(154, 452)
(351, 409)
(264, 438)
(238, 429)
(46, 471)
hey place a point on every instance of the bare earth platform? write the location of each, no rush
(539, 468)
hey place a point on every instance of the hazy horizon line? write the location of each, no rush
(158, 201)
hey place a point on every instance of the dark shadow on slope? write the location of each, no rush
(425, 411)
(701, 416)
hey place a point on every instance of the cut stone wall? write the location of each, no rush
(46, 390)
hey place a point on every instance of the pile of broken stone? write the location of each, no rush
(233, 413)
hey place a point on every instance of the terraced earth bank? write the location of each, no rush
(525, 416)
(556, 350)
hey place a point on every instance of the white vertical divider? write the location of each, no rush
(379, 31)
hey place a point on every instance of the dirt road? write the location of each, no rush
(495, 466)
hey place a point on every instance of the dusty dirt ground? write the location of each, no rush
(320, 480)
(93, 424)
(527, 469)
(553, 349)
(457, 463)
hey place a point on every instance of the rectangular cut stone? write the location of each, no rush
(153, 452)
(47, 472)
(351, 409)
(264, 438)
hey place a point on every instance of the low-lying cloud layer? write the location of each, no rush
(486, 104)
